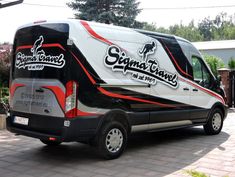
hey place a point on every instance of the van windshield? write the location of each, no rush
(40, 51)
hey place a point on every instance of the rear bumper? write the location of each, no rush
(42, 127)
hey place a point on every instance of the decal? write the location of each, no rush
(147, 50)
(146, 71)
(38, 60)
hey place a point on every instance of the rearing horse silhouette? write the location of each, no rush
(37, 44)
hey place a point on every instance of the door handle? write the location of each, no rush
(195, 90)
(186, 89)
(40, 90)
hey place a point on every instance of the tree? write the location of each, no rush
(117, 12)
(222, 27)
(214, 63)
(149, 26)
(205, 28)
(189, 32)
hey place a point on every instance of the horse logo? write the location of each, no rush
(37, 45)
(148, 49)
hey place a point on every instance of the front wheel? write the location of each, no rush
(112, 140)
(215, 122)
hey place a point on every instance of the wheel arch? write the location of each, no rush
(116, 115)
(219, 106)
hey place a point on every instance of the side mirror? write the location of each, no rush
(219, 78)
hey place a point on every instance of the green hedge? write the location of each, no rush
(231, 63)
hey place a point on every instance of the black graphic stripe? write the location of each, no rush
(93, 97)
(148, 74)
(175, 53)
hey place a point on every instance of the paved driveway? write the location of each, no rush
(152, 154)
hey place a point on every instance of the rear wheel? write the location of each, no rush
(215, 122)
(50, 143)
(112, 140)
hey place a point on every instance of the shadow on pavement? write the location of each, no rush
(159, 152)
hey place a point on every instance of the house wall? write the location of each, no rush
(224, 54)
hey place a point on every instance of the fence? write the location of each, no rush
(232, 86)
(228, 81)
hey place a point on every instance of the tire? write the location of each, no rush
(51, 143)
(112, 140)
(214, 123)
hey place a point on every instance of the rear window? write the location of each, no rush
(40, 51)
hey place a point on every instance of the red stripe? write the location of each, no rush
(93, 33)
(84, 69)
(204, 90)
(24, 47)
(14, 87)
(60, 95)
(53, 45)
(44, 46)
(81, 113)
(181, 70)
(114, 95)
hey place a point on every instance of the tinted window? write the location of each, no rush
(40, 51)
(201, 74)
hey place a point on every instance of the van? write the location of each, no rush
(93, 83)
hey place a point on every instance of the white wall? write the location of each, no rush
(224, 54)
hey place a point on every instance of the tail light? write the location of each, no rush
(71, 99)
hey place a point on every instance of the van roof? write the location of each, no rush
(163, 35)
(102, 24)
(72, 20)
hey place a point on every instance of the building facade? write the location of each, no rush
(222, 49)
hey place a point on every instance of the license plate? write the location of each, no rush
(21, 120)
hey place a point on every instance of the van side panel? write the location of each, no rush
(168, 53)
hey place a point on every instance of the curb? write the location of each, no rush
(231, 110)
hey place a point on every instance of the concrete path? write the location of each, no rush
(151, 154)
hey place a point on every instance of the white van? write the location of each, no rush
(81, 81)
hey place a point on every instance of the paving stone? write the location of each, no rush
(152, 154)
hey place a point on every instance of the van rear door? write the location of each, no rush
(39, 69)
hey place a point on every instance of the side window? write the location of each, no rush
(201, 74)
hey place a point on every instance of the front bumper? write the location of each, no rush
(60, 129)
(226, 108)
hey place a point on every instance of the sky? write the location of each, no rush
(161, 13)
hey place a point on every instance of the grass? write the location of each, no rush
(197, 174)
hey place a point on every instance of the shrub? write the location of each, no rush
(4, 99)
(5, 68)
(231, 63)
(214, 63)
